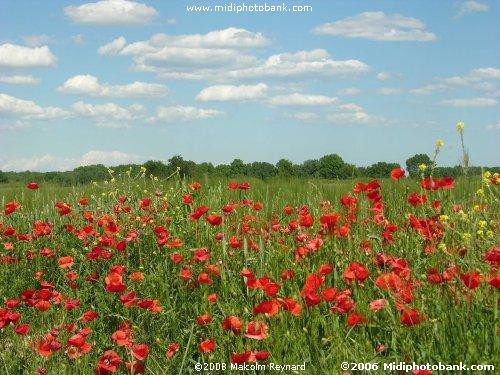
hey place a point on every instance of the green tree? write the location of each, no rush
(86, 174)
(413, 163)
(177, 162)
(380, 169)
(3, 177)
(332, 166)
(238, 168)
(285, 168)
(309, 168)
(261, 170)
(156, 168)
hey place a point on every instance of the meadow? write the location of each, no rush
(140, 274)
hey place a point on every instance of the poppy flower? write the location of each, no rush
(22, 329)
(232, 323)
(207, 346)
(114, 282)
(355, 319)
(32, 186)
(244, 186)
(471, 279)
(378, 304)
(411, 317)
(256, 330)
(214, 220)
(140, 351)
(65, 262)
(397, 174)
(172, 349)
(109, 361)
(355, 272)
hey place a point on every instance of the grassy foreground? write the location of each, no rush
(138, 277)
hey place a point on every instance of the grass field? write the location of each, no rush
(338, 276)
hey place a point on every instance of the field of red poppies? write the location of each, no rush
(141, 275)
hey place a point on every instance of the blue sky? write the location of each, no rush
(118, 81)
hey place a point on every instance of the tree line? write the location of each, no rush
(328, 167)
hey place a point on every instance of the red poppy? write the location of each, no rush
(411, 317)
(232, 323)
(397, 173)
(207, 346)
(355, 319)
(65, 262)
(140, 351)
(172, 349)
(471, 279)
(355, 271)
(109, 361)
(32, 186)
(256, 330)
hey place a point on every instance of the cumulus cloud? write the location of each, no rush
(183, 113)
(472, 102)
(90, 85)
(15, 56)
(10, 105)
(377, 26)
(232, 93)
(470, 7)
(298, 99)
(50, 162)
(113, 47)
(20, 80)
(477, 78)
(222, 55)
(384, 76)
(78, 39)
(107, 114)
(37, 40)
(108, 158)
(111, 13)
(304, 116)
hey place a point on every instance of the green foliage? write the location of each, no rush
(3, 177)
(380, 169)
(413, 163)
(261, 170)
(285, 168)
(332, 166)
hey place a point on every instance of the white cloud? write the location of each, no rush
(89, 85)
(113, 47)
(384, 76)
(111, 13)
(108, 158)
(78, 39)
(493, 127)
(183, 113)
(303, 99)
(106, 113)
(37, 40)
(389, 91)
(378, 26)
(470, 7)
(349, 91)
(476, 78)
(314, 63)
(10, 105)
(220, 56)
(171, 21)
(14, 126)
(37, 163)
(232, 93)
(304, 116)
(20, 80)
(351, 113)
(15, 56)
(50, 162)
(473, 102)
